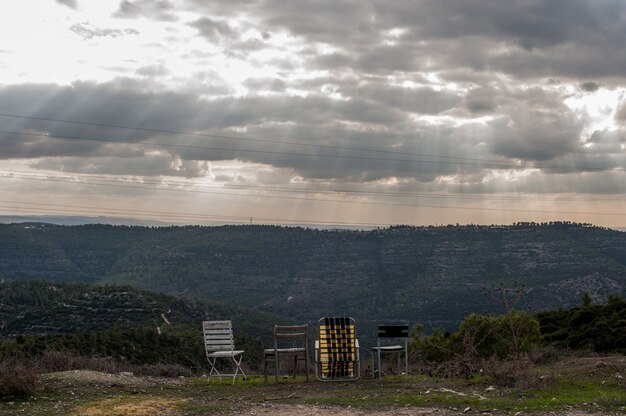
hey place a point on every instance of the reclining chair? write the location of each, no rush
(337, 350)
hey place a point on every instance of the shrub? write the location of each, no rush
(17, 379)
(513, 372)
(504, 336)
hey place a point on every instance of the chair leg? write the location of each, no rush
(276, 366)
(306, 364)
(399, 358)
(212, 361)
(238, 368)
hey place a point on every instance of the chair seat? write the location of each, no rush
(389, 348)
(225, 353)
(270, 351)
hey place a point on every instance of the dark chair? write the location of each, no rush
(337, 350)
(393, 333)
(289, 342)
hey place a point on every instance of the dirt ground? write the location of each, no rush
(310, 410)
(92, 393)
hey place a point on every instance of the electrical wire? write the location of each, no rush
(495, 163)
(318, 200)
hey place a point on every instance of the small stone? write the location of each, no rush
(490, 388)
(467, 409)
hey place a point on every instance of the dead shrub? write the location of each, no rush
(515, 372)
(53, 361)
(17, 379)
(545, 355)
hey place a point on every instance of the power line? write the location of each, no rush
(456, 207)
(228, 137)
(268, 152)
(303, 190)
(84, 210)
(497, 163)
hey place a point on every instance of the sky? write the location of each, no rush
(366, 113)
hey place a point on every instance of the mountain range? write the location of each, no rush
(432, 275)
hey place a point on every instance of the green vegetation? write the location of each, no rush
(506, 338)
(479, 336)
(45, 308)
(399, 273)
(177, 344)
(599, 328)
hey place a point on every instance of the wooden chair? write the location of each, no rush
(388, 332)
(220, 343)
(290, 341)
(337, 350)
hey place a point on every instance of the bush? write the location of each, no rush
(504, 336)
(480, 338)
(513, 372)
(17, 379)
(53, 361)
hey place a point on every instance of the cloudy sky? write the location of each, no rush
(315, 111)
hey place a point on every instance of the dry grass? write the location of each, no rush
(138, 406)
(54, 361)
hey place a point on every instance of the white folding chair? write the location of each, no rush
(220, 343)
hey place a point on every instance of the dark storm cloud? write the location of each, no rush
(146, 165)
(530, 24)
(313, 119)
(161, 10)
(576, 38)
(158, 70)
(589, 86)
(620, 115)
(213, 30)
(481, 100)
(348, 22)
(535, 135)
(424, 100)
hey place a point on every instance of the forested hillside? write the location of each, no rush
(434, 275)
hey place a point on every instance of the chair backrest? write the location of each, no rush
(294, 335)
(218, 336)
(393, 331)
(338, 348)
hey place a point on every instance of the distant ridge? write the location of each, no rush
(434, 275)
(78, 220)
